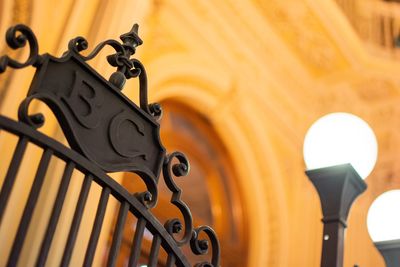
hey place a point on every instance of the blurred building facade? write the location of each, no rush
(240, 82)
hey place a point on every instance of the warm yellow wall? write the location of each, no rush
(262, 71)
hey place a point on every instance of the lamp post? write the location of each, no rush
(383, 226)
(339, 151)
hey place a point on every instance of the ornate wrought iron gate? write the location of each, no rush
(107, 133)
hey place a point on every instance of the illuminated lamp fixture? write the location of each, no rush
(340, 150)
(383, 226)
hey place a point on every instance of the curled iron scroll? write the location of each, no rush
(201, 246)
(126, 67)
(182, 168)
(79, 44)
(153, 109)
(17, 37)
(34, 120)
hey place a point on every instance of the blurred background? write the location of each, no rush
(240, 83)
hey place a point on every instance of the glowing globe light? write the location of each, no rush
(340, 138)
(384, 218)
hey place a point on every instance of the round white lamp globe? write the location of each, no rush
(384, 218)
(340, 138)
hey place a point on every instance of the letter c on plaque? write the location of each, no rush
(125, 122)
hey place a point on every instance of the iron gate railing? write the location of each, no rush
(107, 133)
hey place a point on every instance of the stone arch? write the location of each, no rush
(248, 142)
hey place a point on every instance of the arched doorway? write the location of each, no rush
(210, 190)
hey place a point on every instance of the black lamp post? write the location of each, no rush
(338, 187)
(335, 139)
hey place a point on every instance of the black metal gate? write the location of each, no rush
(107, 133)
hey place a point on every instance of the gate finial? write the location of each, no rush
(131, 39)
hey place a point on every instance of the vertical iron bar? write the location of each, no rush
(11, 174)
(98, 222)
(155, 248)
(117, 237)
(29, 208)
(137, 241)
(73, 232)
(55, 215)
(170, 260)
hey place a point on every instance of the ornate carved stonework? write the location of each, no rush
(377, 89)
(308, 38)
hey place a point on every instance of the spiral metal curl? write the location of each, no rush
(34, 120)
(201, 246)
(154, 109)
(17, 37)
(127, 67)
(149, 197)
(79, 44)
(182, 168)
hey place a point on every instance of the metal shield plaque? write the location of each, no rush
(97, 119)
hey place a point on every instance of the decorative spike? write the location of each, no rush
(131, 39)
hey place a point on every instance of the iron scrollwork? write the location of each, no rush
(182, 168)
(201, 246)
(106, 127)
(17, 37)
